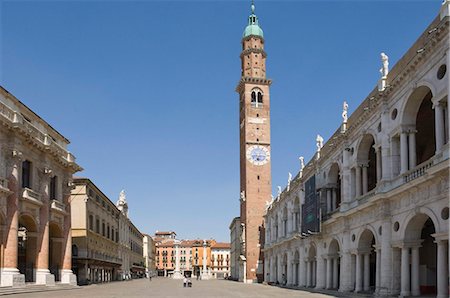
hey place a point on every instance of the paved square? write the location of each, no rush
(164, 287)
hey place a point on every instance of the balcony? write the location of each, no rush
(57, 206)
(31, 196)
(4, 186)
(83, 254)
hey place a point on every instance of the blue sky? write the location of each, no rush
(145, 89)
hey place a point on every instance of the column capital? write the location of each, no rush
(440, 237)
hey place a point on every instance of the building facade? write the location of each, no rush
(220, 260)
(255, 173)
(236, 269)
(369, 213)
(130, 243)
(35, 181)
(149, 255)
(95, 234)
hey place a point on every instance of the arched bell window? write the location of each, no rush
(257, 98)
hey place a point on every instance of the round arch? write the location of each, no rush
(413, 222)
(412, 104)
(365, 229)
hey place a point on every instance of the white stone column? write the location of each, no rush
(379, 163)
(386, 260)
(329, 272)
(359, 278)
(314, 272)
(345, 280)
(205, 274)
(358, 180)
(334, 199)
(346, 179)
(177, 273)
(320, 272)
(405, 272)
(439, 126)
(289, 269)
(364, 178)
(366, 271)
(302, 268)
(378, 270)
(403, 153)
(308, 273)
(329, 208)
(415, 286)
(335, 273)
(412, 149)
(442, 270)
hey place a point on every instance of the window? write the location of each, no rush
(108, 232)
(112, 234)
(91, 222)
(53, 183)
(257, 98)
(103, 229)
(26, 174)
(97, 225)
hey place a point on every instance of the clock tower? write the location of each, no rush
(254, 118)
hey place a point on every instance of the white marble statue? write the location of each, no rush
(344, 112)
(279, 191)
(385, 69)
(302, 163)
(289, 181)
(243, 196)
(319, 142)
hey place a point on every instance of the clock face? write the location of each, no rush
(258, 155)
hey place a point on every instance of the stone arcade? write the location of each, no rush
(381, 188)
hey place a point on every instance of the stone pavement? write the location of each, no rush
(164, 287)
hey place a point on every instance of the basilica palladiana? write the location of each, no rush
(369, 212)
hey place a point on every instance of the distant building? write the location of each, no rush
(130, 243)
(95, 234)
(220, 260)
(236, 265)
(149, 255)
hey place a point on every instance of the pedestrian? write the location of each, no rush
(149, 277)
(184, 282)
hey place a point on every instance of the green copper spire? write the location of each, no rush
(253, 25)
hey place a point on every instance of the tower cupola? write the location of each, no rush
(253, 27)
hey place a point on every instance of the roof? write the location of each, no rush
(253, 28)
(221, 245)
(164, 233)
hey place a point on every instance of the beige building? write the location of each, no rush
(95, 231)
(370, 212)
(236, 266)
(35, 181)
(149, 251)
(220, 260)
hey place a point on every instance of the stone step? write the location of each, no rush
(33, 288)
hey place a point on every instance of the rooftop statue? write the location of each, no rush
(344, 112)
(385, 69)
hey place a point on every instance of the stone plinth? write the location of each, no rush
(11, 277)
(44, 277)
(67, 277)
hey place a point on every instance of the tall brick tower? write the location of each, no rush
(254, 111)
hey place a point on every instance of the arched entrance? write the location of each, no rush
(27, 247)
(417, 140)
(366, 261)
(334, 188)
(366, 171)
(284, 271)
(333, 265)
(55, 250)
(424, 266)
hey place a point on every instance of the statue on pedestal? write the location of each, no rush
(344, 112)
(385, 69)
(289, 181)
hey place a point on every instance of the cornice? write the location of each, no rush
(253, 50)
(251, 80)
